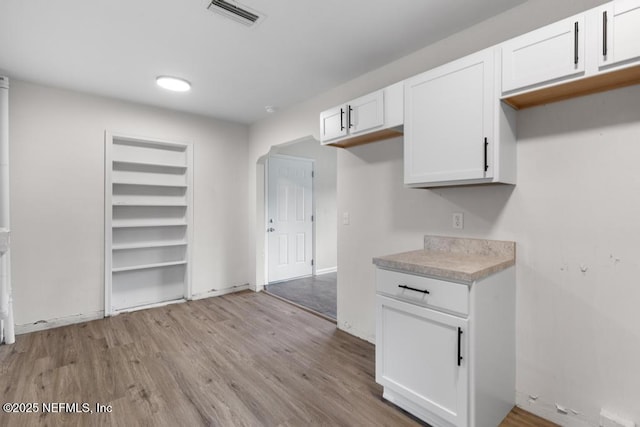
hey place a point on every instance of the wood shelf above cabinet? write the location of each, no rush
(367, 138)
(585, 86)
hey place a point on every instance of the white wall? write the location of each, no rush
(574, 209)
(57, 190)
(324, 187)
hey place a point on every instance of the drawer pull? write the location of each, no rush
(424, 291)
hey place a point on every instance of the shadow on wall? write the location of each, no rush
(586, 114)
(379, 169)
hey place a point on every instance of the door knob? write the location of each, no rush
(271, 230)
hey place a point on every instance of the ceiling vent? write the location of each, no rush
(236, 11)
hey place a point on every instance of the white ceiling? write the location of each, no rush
(303, 47)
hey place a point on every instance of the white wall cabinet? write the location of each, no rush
(147, 222)
(591, 52)
(618, 33)
(448, 356)
(377, 115)
(549, 54)
(456, 131)
(333, 124)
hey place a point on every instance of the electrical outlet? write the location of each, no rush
(345, 218)
(458, 220)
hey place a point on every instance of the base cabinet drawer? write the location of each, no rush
(421, 356)
(434, 293)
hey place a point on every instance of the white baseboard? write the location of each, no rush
(42, 325)
(217, 293)
(549, 411)
(346, 327)
(148, 306)
(326, 270)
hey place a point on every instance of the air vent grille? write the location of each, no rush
(243, 15)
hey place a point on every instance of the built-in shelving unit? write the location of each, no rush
(148, 217)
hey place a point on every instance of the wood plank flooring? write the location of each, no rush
(245, 359)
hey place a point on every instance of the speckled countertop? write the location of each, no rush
(453, 258)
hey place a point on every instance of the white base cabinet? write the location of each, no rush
(447, 356)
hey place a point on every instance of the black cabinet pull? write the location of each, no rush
(604, 33)
(424, 291)
(575, 44)
(486, 146)
(341, 119)
(459, 342)
(349, 118)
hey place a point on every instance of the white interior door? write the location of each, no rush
(289, 218)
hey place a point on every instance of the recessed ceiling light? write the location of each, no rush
(173, 83)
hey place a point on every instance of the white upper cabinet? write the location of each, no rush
(619, 33)
(332, 123)
(550, 54)
(366, 113)
(375, 116)
(453, 126)
(592, 52)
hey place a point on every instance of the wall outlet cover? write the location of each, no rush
(457, 220)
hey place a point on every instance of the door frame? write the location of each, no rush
(266, 213)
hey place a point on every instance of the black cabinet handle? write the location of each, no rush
(486, 163)
(424, 291)
(604, 33)
(459, 342)
(575, 44)
(341, 119)
(349, 119)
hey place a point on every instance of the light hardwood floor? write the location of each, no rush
(239, 360)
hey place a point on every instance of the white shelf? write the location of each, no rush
(143, 245)
(167, 204)
(148, 184)
(157, 223)
(148, 266)
(148, 217)
(151, 164)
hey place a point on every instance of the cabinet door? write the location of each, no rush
(550, 54)
(619, 32)
(366, 113)
(333, 123)
(421, 354)
(449, 121)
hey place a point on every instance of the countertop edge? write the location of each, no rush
(442, 273)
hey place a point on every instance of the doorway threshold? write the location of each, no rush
(302, 307)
